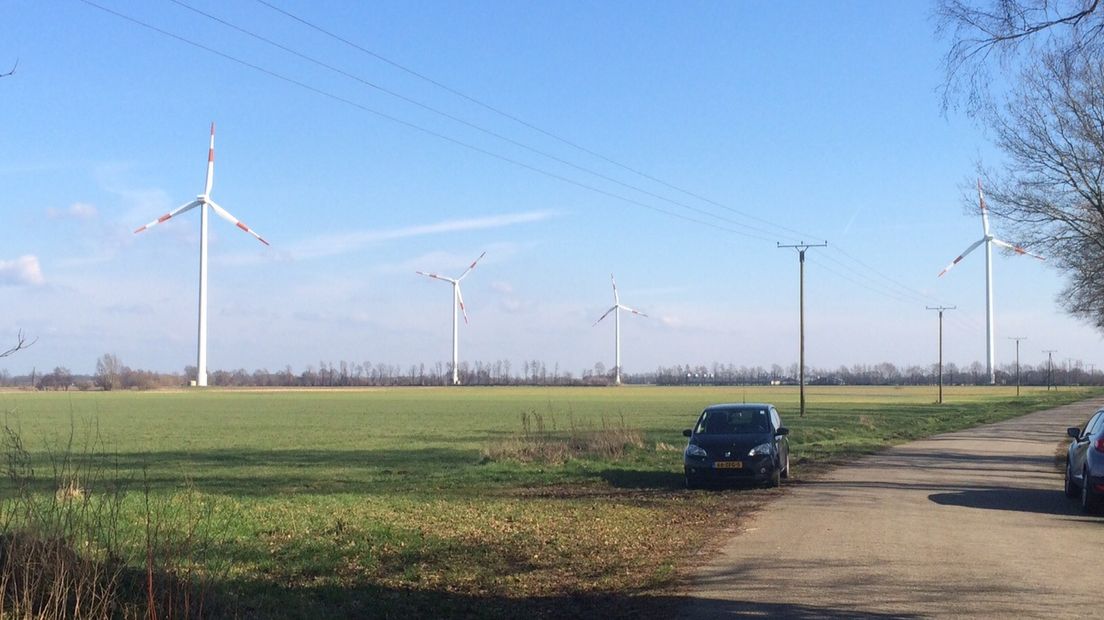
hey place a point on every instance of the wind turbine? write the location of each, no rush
(203, 201)
(616, 310)
(988, 239)
(457, 302)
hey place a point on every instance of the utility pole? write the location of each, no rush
(801, 248)
(1050, 368)
(1017, 339)
(941, 309)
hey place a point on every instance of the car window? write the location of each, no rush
(1094, 424)
(775, 419)
(733, 421)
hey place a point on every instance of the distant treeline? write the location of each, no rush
(112, 374)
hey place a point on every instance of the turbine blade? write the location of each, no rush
(616, 299)
(210, 164)
(604, 315)
(233, 220)
(984, 209)
(1017, 249)
(173, 213)
(962, 256)
(636, 312)
(435, 277)
(460, 298)
(471, 266)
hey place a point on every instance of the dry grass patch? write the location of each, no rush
(540, 441)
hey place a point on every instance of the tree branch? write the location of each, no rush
(20, 343)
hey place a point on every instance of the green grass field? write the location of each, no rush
(333, 502)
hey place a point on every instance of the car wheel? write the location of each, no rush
(775, 478)
(1088, 498)
(1071, 487)
(786, 469)
(691, 483)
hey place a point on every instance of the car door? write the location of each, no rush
(1080, 445)
(781, 444)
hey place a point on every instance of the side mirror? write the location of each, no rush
(1074, 432)
(782, 431)
(687, 433)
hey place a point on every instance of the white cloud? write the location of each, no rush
(671, 321)
(75, 211)
(343, 243)
(23, 271)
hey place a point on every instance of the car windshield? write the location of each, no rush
(733, 421)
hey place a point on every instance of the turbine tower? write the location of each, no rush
(988, 239)
(616, 310)
(457, 302)
(203, 201)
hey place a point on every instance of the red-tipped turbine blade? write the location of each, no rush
(471, 266)
(233, 220)
(604, 315)
(1017, 249)
(984, 209)
(210, 164)
(170, 214)
(460, 298)
(962, 256)
(435, 276)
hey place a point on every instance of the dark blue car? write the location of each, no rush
(737, 443)
(1085, 463)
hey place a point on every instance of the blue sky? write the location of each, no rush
(806, 121)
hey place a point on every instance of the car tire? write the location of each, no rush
(1071, 487)
(786, 470)
(1089, 499)
(692, 484)
(775, 478)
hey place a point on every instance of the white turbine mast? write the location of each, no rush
(203, 201)
(457, 302)
(616, 309)
(988, 239)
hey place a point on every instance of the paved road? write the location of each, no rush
(970, 523)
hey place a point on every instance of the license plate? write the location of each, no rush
(728, 464)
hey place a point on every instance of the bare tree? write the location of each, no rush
(1048, 120)
(1051, 190)
(20, 344)
(1007, 33)
(109, 371)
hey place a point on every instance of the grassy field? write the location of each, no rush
(388, 501)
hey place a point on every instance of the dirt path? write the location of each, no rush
(968, 523)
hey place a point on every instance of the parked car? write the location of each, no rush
(737, 443)
(1085, 463)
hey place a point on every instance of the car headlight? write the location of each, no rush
(761, 449)
(693, 450)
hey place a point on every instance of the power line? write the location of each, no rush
(462, 121)
(419, 128)
(521, 121)
(907, 291)
(899, 295)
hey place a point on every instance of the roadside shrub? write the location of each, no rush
(539, 441)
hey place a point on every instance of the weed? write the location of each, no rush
(541, 442)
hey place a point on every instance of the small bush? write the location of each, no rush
(540, 442)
